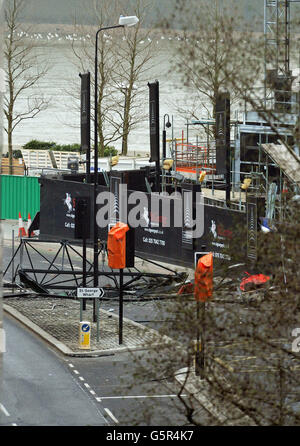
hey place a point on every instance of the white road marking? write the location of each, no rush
(111, 415)
(136, 396)
(2, 408)
(99, 399)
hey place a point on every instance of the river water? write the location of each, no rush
(60, 122)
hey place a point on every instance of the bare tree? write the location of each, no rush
(23, 72)
(204, 49)
(133, 58)
(123, 59)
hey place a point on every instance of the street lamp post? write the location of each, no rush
(164, 143)
(123, 22)
(168, 125)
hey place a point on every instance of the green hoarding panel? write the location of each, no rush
(19, 194)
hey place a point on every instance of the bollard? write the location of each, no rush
(84, 335)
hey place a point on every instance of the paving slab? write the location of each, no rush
(58, 322)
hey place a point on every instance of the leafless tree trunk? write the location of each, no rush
(23, 72)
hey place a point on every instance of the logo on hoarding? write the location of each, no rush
(68, 202)
(213, 228)
(146, 216)
(218, 231)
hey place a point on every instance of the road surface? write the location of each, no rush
(37, 387)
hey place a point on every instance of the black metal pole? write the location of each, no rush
(88, 153)
(84, 266)
(200, 353)
(88, 165)
(164, 143)
(227, 176)
(198, 346)
(157, 164)
(121, 307)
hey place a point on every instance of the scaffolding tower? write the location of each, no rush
(278, 76)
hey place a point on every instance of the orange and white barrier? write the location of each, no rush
(22, 232)
(28, 226)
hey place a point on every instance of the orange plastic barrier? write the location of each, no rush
(116, 246)
(253, 281)
(204, 278)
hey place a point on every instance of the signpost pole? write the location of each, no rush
(121, 307)
(97, 303)
(81, 305)
(200, 353)
(84, 266)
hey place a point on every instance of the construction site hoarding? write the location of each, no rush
(157, 236)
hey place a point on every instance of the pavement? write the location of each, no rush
(57, 321)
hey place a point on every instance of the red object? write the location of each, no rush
(116, 246)
(22, 232)
(187, 288)
(253, 281)
(204, 278)
(28, 226)
(284, 188)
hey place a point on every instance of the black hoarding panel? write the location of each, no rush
(155, 235)
(134, 179)
(82, 217)
(158, 235)
(221, 227)
(130, 248)
(223, 134)
(57, 208)
(154, 120)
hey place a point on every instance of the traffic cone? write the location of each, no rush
(28, 226)
(22, 232)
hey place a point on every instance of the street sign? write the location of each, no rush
(84, 335)
(90, 293)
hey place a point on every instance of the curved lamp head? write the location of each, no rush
(168, 124)
(128, 20)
